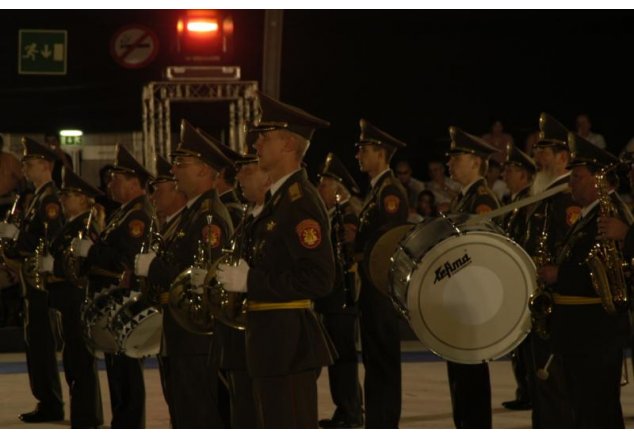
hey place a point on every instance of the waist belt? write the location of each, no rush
(164, 298)
(253, 305)
(575, 300)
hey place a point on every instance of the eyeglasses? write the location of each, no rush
(181, 162)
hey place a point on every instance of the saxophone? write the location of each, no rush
(540, 303)
(605, 260)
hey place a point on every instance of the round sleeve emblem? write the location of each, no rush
(136, 228)
(52, 210)
(572, 214)
(483, 208)
(211, 235)
(391, 203)
(309, 233)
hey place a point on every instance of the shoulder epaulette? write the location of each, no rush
(295, 191)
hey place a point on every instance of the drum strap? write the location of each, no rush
(252, 305)
(517, 205)
(164, 298)
(559, 299)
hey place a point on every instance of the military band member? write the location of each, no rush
(192, 358)
(549, 221)
(168, 203)
(80, 365)
(339, 310)
(226, 184)
(469, 384)
(588, 340)
(292, 264)
(114, 252)
(519, 170)
(385, 207)
(254, 184)
(42, 220)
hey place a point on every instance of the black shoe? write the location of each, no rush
(517, 404)
(340, 423)
(42, 415)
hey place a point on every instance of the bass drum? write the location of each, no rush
(464, 289)
(138, 327)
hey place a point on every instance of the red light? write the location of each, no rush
(202, 26)
(180, 26)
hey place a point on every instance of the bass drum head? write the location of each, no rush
(379, 256)
(138, 327)
(468, 297)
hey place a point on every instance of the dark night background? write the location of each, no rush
(412, 73)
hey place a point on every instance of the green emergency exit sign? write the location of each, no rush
(42, 52)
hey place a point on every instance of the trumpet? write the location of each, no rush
(229, 307)
(71, 262)
(31, 265)
(188, 302)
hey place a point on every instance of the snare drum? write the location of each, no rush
(138, 327)
(98, 314)
(464, 289)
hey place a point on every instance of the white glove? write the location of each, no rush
(198, 279)
(81, 247)
(142, 263)
(45, 264)
(8, 231)
(232, 278)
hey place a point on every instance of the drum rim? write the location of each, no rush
(515, 335)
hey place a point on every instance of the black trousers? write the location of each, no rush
(243, 413)
(381, 353)
(550, 395)
(164, 370)
(80, 366)
(193, 388)
(343, 374)
(470, 389)
(40, 327)
(288, 401)
(519, 362)
(127, 391)
(593, 387)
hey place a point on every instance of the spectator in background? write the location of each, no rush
(531, 141)
(11, 179)
(63, 158)
(494, 180)
(443, 188)
(498, 139)
(426, 204)
(583, 130)
(411, 185)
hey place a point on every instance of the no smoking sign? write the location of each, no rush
(134, 46)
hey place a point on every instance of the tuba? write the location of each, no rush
(605, 259)
(228, 307)
(188, 302)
